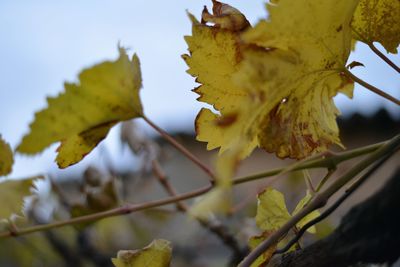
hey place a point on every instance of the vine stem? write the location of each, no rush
(376, 50)
(181, 148)
(320, 199)
(324, 162)
(383, 57)
(329, 162)
(162, 178)
(334, 206)
(126, 209)
(371, 87)
(325, 179)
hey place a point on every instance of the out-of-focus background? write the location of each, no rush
(45, 43)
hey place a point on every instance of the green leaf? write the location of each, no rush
(81, 116)
(6, 157)
(271, 210)
(311, 216)
(12, 193)
(157, 254)
(272, 213)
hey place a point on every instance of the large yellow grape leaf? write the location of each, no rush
(319, 31)
(275, 83)
(295, 73)
(295, 115)
(157, 254)
(214, 55)
(12, 193)
(378, 21)
(81, 116)
(6, 157)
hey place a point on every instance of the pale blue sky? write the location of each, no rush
(45, 43)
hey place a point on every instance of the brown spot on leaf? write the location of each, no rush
(309, 140)
(303, 126)
(226, 120)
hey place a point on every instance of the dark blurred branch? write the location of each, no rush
(320, 199)
(334, 206)
(368, 233)
(70, 257)
(88, 251)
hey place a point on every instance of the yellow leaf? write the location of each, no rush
(271, 210)
(302, 203)
(157, 254)
(214, 56)
(6, 157)
(295, 74)
(319, 31)
(262, 260)
(81, 116)
(12, 193)
(378, 21)
(76, 147)
(272, 213)
(275, 83)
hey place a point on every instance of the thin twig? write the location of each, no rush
(126, 209)
(334, 206)
(324, 162)
(375, 50)
(162, 178)
(330, 161)
(371, 87)
(320, 199)
(309, 184)
(325, 179)
(383, 57)
(181, 148)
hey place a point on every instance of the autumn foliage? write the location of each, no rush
(270, 85)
